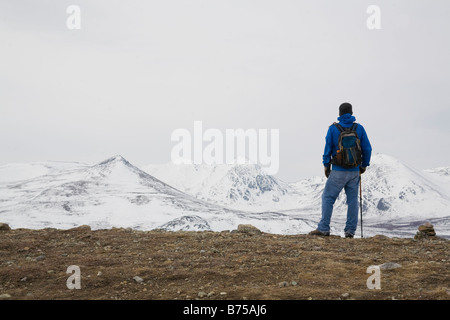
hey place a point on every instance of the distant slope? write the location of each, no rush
(441, 176)
(24, 171)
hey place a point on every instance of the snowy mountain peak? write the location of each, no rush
(388, 170)
(387, 163)
(390, 187)
(118, 170)
(235, 185)
(114, 160)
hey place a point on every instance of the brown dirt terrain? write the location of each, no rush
(156, 265)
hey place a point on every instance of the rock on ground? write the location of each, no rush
(4, 227)
(249, 229)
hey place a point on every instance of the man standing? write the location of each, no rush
(348, 150)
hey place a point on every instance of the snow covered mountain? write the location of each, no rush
(389, 188)
(394, 195)
(238, 186)
(395, 189)
(114, 193)
(395, 199)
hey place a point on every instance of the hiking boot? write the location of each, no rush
(348, 235)
(319, 233)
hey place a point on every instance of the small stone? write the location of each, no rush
(138, 279)
(5, 296)
(426, 227)
(202, 294)
(283, 284)
(380, 237)
(167, 262)
(4, 227)
(389, 266)
(345, 295)
(40, 258)
(294, 283)
(83, 227)
(223, 293)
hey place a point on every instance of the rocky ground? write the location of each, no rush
(155, 265)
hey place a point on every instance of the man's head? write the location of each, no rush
(345, 108)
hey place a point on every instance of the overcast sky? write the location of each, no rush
(138, 70)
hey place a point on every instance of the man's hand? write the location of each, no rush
(327, 171)
(362, 169)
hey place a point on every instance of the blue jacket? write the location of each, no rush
(331, 143)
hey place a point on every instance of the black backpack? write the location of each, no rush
(349, 154)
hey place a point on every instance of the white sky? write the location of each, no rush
(138, 70)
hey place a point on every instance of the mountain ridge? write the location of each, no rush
(385, 182)
(114, 193)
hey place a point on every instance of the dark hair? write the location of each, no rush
(345, 108)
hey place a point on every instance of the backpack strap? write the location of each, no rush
(337, 125)
(342, 129)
